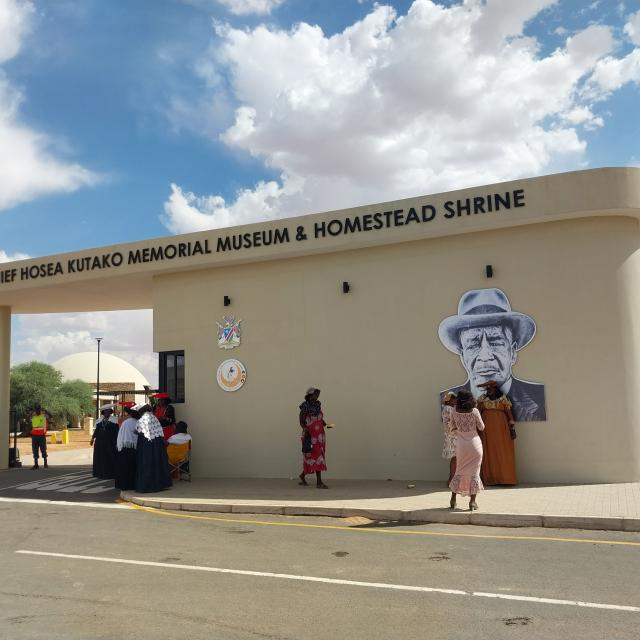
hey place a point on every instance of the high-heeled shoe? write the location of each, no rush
(452, 503)
(473, 506)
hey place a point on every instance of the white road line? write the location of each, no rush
(111, 487)
(37, 483)
(87, 484)
(67, 503)
(352, 583)
(57, 480)
(572, 603)
(57, 485)
(82, 482)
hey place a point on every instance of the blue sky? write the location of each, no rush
(99, 75)
(127, 119)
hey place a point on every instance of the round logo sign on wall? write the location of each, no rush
(231, 375)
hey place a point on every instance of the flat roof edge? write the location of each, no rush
(603, 192)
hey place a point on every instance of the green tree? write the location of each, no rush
(80, 391)
(39, 383)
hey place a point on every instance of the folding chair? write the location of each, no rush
(180, 461)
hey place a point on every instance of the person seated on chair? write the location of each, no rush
(179, 444)
(180, 436)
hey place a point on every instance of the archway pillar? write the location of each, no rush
(5, 359)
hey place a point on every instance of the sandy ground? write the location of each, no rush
(77, 452)
(79, 440)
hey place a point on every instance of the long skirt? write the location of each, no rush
(499, 460)
(126, 469)
(315, 460)
(467, 481)
(104, 452)
(152, 465)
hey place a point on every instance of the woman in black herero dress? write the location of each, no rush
(126, 449)
(103, 442)
(152, 465)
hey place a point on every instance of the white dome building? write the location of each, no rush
(116, 374)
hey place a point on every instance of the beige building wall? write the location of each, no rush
(566, 253)
(376, 355)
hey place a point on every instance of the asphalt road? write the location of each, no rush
(116, 571)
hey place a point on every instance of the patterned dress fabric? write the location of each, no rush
(449, 446)
(315, 460)
(466, 481)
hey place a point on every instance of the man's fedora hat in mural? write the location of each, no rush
(481, 308)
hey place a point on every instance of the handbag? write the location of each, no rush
(306, 442)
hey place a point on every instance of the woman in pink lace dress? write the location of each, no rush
(465, 420)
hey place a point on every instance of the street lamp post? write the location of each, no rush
(98, 383)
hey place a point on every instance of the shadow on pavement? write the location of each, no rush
(288, 490)
(69, 483)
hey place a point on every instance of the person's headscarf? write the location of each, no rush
(106, 416)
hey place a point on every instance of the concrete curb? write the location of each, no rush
(444, 516)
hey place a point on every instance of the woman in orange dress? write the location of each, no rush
(499, 460)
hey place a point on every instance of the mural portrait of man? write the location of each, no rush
(487, 335)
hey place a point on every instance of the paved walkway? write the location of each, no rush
(596, 506)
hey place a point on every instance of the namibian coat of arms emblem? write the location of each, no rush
(229, 333)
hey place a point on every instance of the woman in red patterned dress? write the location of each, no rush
(312, 423)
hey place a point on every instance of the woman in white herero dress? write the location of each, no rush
(449, 445)
(466, 421)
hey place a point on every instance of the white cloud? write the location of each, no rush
(15, 23)
(632, 28)
(612, 73)
(51, 336)
(394, 106)
(583, 116)
(246, 7)
(240, 7)
(29, 163)
(6, 257)
(185, 212)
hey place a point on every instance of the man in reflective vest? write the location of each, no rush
(39, 423)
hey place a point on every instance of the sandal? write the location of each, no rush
(473, 506)
(452, 503)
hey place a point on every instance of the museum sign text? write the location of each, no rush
(339, 226)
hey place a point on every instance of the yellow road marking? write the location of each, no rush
(380, 530)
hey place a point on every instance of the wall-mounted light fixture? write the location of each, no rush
(489, 271)
(227, 301)
(346, 287)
